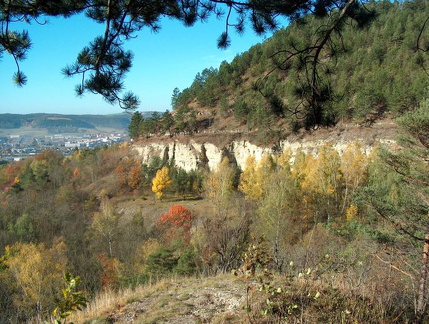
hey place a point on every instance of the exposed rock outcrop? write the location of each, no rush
(191, 153)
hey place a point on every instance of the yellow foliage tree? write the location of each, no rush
(354, 167)
(329, 174)
(305, 171)
(161, 182)
(323, 182)
(284, 160)
(276, 217)
(265, 169)
(351, 213)
(254, 180)
(303, 167)
(299, 167)
(248, 182)
(223, 230)
(220, 184)
(37, 273)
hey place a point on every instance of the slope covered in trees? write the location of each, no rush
(363, 72)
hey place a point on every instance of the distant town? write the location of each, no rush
(19, 147)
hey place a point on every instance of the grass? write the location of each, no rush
(167, 299)
(222, 299)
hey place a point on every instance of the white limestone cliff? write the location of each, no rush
(189, 156)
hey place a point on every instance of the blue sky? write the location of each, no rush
(162, 61)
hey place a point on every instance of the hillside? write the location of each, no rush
(364, 74)
(63, 123)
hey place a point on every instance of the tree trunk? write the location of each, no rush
(421, 297)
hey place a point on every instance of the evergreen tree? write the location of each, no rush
(175, 97)
(359, 76)
(167, 122)
(134, 126)
(398, 191)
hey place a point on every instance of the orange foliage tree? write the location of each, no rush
(135, 177)
(110, 277)
(9, 172)
(121, 175)
(178, 217)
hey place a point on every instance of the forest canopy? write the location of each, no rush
(366, 73)
(363, 72)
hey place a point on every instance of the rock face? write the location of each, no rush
(198, 151)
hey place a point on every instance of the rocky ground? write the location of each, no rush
(192, 301)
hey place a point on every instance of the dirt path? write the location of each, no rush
(214, 300)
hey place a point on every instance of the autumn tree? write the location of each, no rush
(219, 185)
(249, 183)
(301, 168)
(323, 183)
(121, 175)
(128, 174)
(36, 273)
(177, 219)
(354, 167)
(224, 230)
(135, 176)
(278, 220)
(161, 182)
(8, 173)
(254, 180)
(145, 248)
(76, 175)
(111, 271)
(105, 225)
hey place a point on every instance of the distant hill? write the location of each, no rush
(69, 123)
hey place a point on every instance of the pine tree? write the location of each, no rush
(398, 190)
(134, 126)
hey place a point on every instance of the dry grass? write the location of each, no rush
(352, 287)
(107, 301)
(191, 300)
(222, 299)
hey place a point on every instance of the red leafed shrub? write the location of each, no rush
(110, 274)
(121, 174)
(178, 217)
